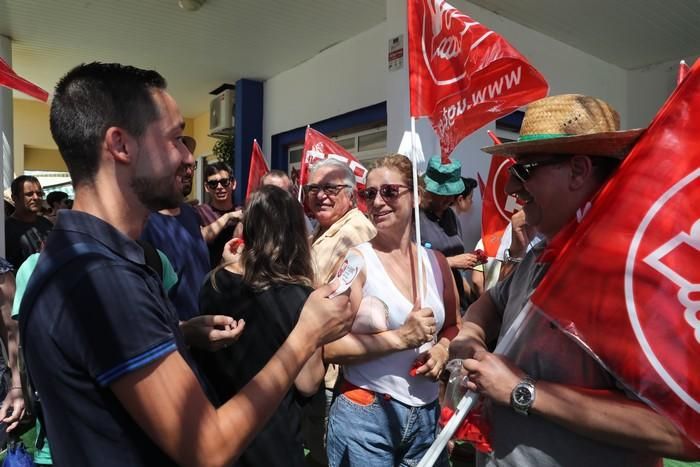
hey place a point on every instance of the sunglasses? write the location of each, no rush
(389, 191)
(328, 189)
(523, 171)
(212, 184)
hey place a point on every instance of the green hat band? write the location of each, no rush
(541, 136)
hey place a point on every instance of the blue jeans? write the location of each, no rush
(383, 433)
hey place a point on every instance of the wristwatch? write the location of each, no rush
(523, 395)
(510, 259)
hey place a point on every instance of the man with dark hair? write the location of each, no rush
(219, 217)
(56, 200)
(101, 339)
(278, 178)
(25, 229)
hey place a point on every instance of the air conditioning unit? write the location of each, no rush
(221, 111)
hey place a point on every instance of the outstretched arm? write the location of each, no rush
(166, 400)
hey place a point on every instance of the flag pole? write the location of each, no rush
(416, 210)
(470, 398)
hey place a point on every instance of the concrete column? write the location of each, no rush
(6, 136)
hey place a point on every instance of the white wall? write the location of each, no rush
(354, 74)
(345, 77)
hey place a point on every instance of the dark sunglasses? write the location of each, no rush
(523, 171)
(328, 189)
(224, 182)
(388, 192)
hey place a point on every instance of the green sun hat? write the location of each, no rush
(444, 179)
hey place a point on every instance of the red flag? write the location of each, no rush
(12, 80)
(463, 75)
(627, 282)
(497, 207)
(258, 169)
(317, 147)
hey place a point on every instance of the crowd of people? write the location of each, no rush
(155, 332)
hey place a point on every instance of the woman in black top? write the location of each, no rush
(269, 295)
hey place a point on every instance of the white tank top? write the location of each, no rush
(389, 374)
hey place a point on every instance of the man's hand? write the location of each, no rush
(492, 375)
(463, 261)
(419, 328)
(520, 239)
(432, 362)
(465, 347)
(12, 408)
(326, 319)
(212, 332)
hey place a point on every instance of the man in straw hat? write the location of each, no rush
(548, 401)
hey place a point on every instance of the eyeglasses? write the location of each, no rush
(192, 167)
(523, 171)
(388, 192)
(328, 189)
(224, 182)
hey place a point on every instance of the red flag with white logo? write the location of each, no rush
(12, 80)
(497, 207)
(258, 169)
(627, 282)
(318, 147)
(463, 75)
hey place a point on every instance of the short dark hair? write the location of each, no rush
(216, 167)
(469, 185)
(93, 97)
(17, 184)
(273, 173)
(56, 197)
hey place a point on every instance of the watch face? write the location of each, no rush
(522, 395)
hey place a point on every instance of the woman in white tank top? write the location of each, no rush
(387, 410)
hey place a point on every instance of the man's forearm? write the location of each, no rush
(610, 417)
(211, 231)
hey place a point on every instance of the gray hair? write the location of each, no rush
(335, 164)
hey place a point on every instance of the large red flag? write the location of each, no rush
(258, 169)
(497, 206)
(627, 282)
(463, 75)
(12, 80)
(317, 147)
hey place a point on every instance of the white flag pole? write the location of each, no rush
(470, 398)
(416, 211)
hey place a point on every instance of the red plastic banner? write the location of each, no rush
(318, 147)
(627, 283)
(12, 80)
(258, 169)
(463, 75)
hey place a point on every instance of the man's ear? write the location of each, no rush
(581, 170)
(119, 144)
(233, 183)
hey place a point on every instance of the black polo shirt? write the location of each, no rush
(96, 320)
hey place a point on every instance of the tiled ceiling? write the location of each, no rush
(196, 51)
(629, 33)
(229, 39)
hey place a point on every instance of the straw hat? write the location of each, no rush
(570, 124)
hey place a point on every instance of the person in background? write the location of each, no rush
(25, 230)
(282, 180)
(219, 217)
(387, 410)
(56, 200)
(439, 225)
(267, 293)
